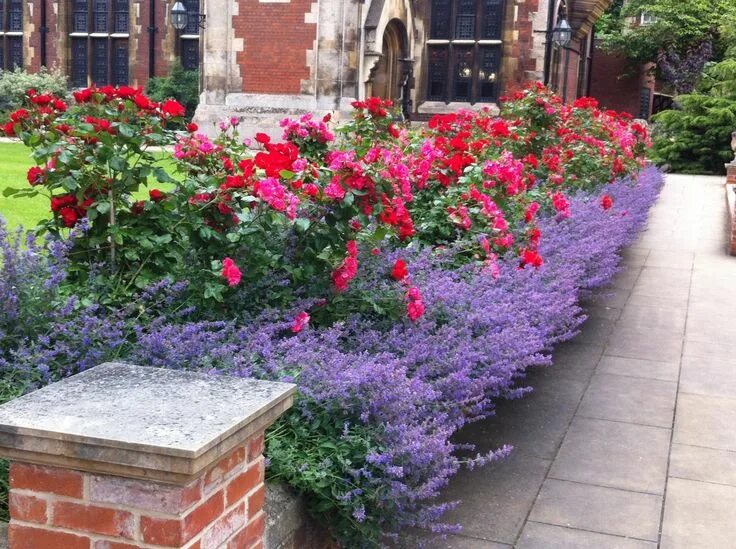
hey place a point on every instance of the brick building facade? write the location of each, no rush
(264, 59)
(96, 41)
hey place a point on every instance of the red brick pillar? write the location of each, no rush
(202, 488)
(61, 508)
(731, 173)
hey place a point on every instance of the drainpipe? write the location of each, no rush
(152, 39)
(548, 44)
(44, 30)
(590, 60)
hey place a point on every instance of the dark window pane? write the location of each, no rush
(190, 54)
(120, 62)
(121, 16)
(437, 88)
(100, 15)
(465, 21)
(2, 19)
(492, 19)
(15, 15)
(440, 19)
(192, 7)
(463, 73)
(79, 16)
(488, 74)
(99, 70)
(79, 63)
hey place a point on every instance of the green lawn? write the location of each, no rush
(14, 163)
(15, 160)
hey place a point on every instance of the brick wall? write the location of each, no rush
(61, 508)
(731, 209)
(275, 44)
(611, 89)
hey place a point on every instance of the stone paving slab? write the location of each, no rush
(630, 399)
(708, 376)
(598, 509)
(496, 500)
(545, 536)
(703, 464)
(466, 542)
(632, 367)
(699, 514)
(614, 454)
(705, 420)
(647, 345)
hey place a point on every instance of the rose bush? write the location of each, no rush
(404, 278)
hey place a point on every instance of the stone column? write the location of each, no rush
(123, 457)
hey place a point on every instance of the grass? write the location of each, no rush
(15, 159)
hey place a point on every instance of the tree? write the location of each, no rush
(695, 137)
(676, 26)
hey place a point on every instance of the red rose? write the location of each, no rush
(142, 102)
(263, 138)
(83, 96)
(20, 114)
(606, 202)
(42, 100)
(59, 105)
(69, 216)
(9, 129)
(399, 272)
(230, 272)
(156, 195)
(138, 207)
(36, 175)
(192, 127)
(171, 108)
(300, 322)
(126, 92)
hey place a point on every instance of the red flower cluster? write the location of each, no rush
(347, 270)
(69, 208)
(231, 272)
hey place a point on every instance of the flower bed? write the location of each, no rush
(404, 279)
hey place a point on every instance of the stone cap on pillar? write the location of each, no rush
(140, 422)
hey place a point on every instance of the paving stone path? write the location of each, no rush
(629, 441)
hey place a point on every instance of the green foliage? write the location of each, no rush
(320, 458)
(13, 86)
(180, 84)
(695, 138)
(680, 25)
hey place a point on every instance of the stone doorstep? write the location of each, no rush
(137, 422)
(731, 213)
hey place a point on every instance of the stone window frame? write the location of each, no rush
(465, 38)
(11, 34)
(99, 42)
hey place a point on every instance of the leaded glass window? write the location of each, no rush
(189, 39)
(99, 42)
(464, 50)
(11, 34)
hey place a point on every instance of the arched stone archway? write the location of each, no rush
(389, 75)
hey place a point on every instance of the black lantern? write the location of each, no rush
(562, 34)
(179, 16)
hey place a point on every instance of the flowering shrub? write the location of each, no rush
(302, 209)
(405, 279)
(368, 442)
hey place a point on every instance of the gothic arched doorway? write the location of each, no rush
(390, 75)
